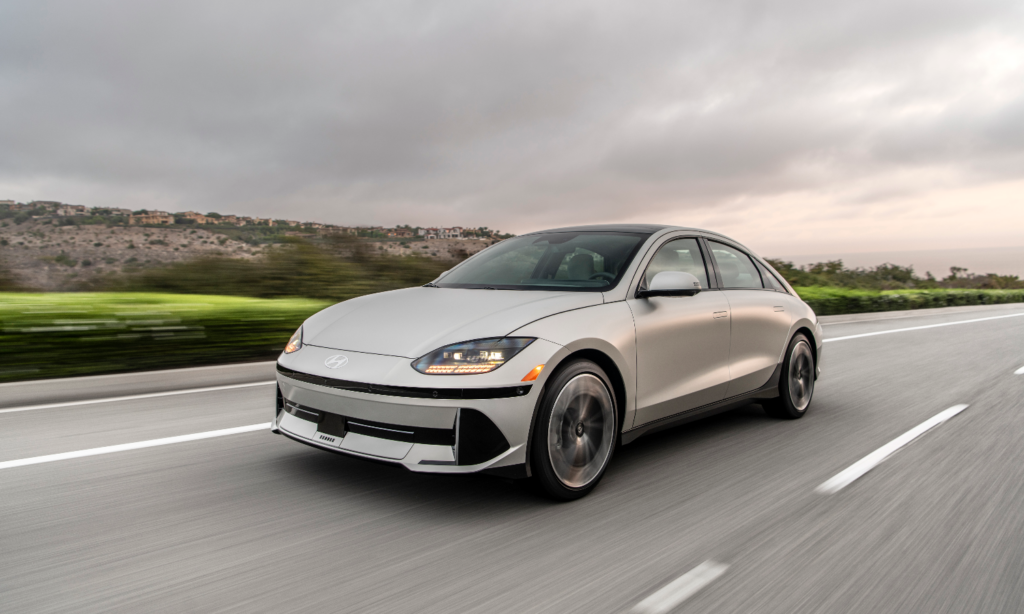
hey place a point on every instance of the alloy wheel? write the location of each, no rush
(801, 375)
(581, 431)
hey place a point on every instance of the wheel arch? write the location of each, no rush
(812, 338)
(614, 374)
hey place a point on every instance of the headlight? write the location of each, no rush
(467, 358)
(295, 343)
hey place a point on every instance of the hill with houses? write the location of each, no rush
(49, 245)
(43, 209)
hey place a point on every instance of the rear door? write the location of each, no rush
(682, 341)
(760, 319)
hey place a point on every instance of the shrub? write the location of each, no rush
(835, 301)
(60, 335)
(65, 260)
(296, 269)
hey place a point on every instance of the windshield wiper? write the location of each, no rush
(431, 284)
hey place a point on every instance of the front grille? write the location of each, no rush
(339, 425)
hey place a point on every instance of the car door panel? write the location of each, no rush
(760, 320)
(760, 330)
(682, 341)
(682, 353)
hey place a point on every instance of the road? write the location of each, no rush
(721, 515)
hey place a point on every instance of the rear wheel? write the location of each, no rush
(575, 432)
(796, 386)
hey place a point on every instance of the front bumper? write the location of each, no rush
(421, 431)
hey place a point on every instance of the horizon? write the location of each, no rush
(803, 129)
(999, 260)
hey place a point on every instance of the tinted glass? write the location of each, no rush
(576, 261)
(736, 268)
(682, 255)
(769, 279)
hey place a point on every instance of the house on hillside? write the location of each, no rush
(69, 210)
(198, 217)
(455, 232)
(151, 217)
(49, 205)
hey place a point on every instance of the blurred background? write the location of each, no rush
(183, 183)
(324, 150)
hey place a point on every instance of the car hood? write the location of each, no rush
(415, 321)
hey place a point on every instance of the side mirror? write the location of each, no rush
(672, 283)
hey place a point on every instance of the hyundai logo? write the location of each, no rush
(336, 361)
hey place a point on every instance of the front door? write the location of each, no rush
(682, 341)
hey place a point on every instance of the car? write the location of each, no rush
(540, 355)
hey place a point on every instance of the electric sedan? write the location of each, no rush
(540, 355)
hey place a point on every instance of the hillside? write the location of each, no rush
(51, 258)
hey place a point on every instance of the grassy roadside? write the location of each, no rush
(64, 335)
(827, 301)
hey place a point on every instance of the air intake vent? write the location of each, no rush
(479, 439)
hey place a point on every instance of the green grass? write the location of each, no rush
(63, 335)
(834, 301)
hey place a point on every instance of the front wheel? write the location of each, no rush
(796, 386)
(574, 432)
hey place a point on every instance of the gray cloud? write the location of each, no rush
(513, 115)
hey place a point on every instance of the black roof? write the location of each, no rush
(640, 228)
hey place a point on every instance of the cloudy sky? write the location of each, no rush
(795, 126)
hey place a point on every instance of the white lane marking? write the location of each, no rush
(903, 330)
(869, 462)
(35, 460)
(1019, 371)
(681, 589)
(134, 397)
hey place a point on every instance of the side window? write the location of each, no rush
(737, 269)
(769, 279)
(682, 255)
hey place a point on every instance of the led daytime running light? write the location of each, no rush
(295, 343)
(471, 357)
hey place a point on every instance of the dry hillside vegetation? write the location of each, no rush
(51, 258)
(41, 256)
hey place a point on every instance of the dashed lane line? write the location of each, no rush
(903, 330)
(35, 460)
(134, 397)
(681, 589)
(1019, 371)
(847, 476)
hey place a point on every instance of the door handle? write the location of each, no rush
(720, 314)
(779, 308)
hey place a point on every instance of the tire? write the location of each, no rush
(796, 386)
(574, 432)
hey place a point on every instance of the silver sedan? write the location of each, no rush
(542, 354)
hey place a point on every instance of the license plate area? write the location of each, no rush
(332, 424)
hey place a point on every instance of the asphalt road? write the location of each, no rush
(721, 515)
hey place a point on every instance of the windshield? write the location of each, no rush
(574, 261)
